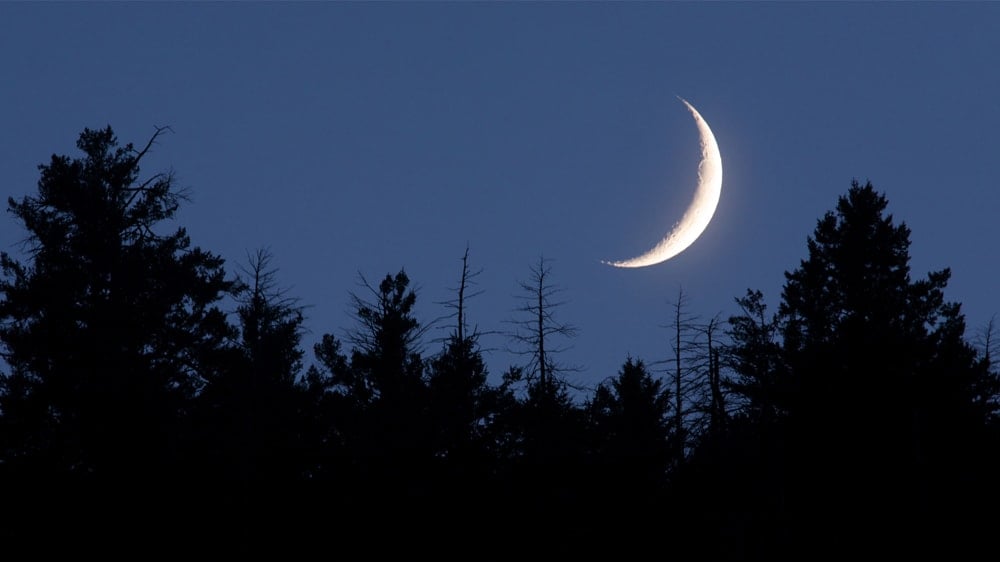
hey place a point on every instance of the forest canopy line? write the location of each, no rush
(855, 400)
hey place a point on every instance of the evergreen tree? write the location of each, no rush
(884, 386)
(379, 396)
(110, 326)
(331, 410)
(755, 356)
(385, 357)
(270, 326)
(459, 397)
(251, 413)
(630, 419)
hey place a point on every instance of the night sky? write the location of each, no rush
(364, 138)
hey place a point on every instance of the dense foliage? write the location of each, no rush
(854, 416)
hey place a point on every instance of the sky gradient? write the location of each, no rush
(364, 138)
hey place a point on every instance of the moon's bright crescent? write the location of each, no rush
(699, 213)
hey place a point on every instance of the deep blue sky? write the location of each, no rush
(368, 137)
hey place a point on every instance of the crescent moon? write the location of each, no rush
(699, 212)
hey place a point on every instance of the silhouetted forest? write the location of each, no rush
(138, 403)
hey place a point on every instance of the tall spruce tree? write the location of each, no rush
(885, 408)
(250, 414)
(110, 325)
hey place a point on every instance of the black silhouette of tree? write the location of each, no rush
(255, 406)
(859, 397)
(466, 290)
(385, 354)
(695, 375)
(988, 392)
(631, 420)
(536, 336)
(385, 357)
(462, 405)
(683, 369)
(332, 410)
(111, 325)
(755, 357)
(739, 467)
(379, 396)
(271, 325)
(885, 389)
(715, 406)
(546, 425)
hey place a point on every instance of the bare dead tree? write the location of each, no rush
(680, 320)
(465, 290)
(986, 341)
(988, 346)
(537, 330)
(679, 369)
(695, 374)
(716, 411)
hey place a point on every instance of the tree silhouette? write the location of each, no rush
(855, 416)
(859, 397)
(987, 388)
(716, 407)
(547, 426)
(462, 405)
(881, 376)
(385, 356)
(110, 326)
(755, 356)
(685, 381)
(333, 408)
(631, 420)
(380, 395)
(270, 325)
(251, 417)
(695, 376)
(534, 334)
